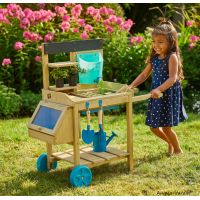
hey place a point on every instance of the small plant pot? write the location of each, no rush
(73, 80)
(60, 82)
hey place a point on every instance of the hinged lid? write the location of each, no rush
(47, 117)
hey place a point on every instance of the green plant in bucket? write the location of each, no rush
(57, 73)
(74, 70)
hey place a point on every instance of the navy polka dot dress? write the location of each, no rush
(168, 110)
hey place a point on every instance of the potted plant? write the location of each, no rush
(73, 74)
(59, 74)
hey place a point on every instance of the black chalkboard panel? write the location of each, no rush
(72, 46)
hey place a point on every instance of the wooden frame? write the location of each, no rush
(71, 106)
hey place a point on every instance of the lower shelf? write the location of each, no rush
(90, 158)
(66, 87)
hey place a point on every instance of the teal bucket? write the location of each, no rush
(93, 63)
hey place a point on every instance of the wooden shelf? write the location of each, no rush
(62, 64)
(66, 87)
(90, 158)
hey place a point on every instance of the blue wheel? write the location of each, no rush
(80, 176)
(42, 163)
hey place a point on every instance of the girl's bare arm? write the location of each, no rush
(142, 77)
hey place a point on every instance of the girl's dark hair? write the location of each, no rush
(167, 29)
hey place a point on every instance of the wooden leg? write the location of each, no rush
(102, 121)
(49, 154)
(129, 117)
(76, 136)
(79, 124)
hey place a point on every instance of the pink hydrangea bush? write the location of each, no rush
(68, 21)
(65, 26)
(66, 18)
(38, 58)
(60, 10)
(137, 40)
(41, 5)
(18, 46)
(48, 37)
(193, 39)
(190, 23)
(84, 35)
(81, 22)
(109, 29)
(88, 27)
(6, 61)
(76, 10)
(76, 30)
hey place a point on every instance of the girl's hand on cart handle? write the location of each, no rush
(130, 86)
(155, 93)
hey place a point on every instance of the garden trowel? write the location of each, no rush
(88, 135)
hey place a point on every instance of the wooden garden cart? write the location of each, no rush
(56, 119)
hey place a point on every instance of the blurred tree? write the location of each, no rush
(140, 14)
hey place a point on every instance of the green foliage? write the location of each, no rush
(125, 62)
(9, 102)
(24, 71)
(140, 106)
(191, 58)
(57, 73)
(29, 102)
(13, 105)
(101, 88)
(74, 70)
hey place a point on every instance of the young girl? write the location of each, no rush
(165, 62)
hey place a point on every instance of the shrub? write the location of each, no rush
(23, 30)
(13, 105)
(29, 102)
(9, 102)
(132, 59)
(189, 43)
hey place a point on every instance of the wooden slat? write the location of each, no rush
(65, 87)
(108, 100)
(129, 119)
(63, 64)
(105, 155)
(143, 97)
(45, 69)
(106, 161)
(76, 136)
(57, 97)
(41, 136)
(69, 158)
(116, 152)
(87, 86)
(87, 156)
(49, 154)
(85, 94)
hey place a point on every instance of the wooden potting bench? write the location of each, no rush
(71, 101)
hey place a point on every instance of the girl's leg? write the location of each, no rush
(158, 132)
(173, 139)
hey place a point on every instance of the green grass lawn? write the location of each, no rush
(155, 172)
